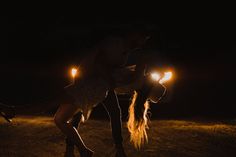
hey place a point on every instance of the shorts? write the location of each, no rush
(87, 93)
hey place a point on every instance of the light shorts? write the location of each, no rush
(87, 93)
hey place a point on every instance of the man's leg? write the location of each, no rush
(112, 106)
(69, 143)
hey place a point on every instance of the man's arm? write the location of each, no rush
(86, 65)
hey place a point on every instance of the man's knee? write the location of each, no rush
(60, 122)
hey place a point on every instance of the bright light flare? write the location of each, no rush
(73, 72)
(155, 76)
(167, 76)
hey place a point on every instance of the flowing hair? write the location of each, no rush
(138, 119)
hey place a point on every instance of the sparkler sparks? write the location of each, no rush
(73, 72)
(167, 76)
(161, 79)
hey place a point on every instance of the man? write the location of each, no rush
(113, 56)
(111, 104)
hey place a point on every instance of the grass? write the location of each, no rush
(37, 136)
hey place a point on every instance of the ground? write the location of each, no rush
(37, 136)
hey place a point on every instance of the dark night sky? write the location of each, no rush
(37, 50)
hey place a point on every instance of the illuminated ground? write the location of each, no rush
(38, 137)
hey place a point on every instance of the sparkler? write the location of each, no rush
(155, 76)
(167, 76)
(161, 79)
(73, 74)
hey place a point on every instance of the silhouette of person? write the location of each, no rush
(97, 82)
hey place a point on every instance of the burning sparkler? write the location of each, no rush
(73, 74)
(161, 79)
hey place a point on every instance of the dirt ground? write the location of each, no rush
(35, 136)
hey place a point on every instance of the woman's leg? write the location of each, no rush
(64, 113)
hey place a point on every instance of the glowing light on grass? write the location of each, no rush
(167, 76)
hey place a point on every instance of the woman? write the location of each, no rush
(96, 78)
(144, 90)
(102, 71)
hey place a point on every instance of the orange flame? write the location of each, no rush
(167, 76)
(73, 72)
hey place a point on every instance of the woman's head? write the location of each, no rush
(138, 111)
(138, 120)
(138, 115)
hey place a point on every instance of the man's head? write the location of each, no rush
(136, 39)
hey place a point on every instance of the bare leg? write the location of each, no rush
(64, 113)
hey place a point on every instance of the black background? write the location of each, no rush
(38, 50)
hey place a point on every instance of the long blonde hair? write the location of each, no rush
(138, 119)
